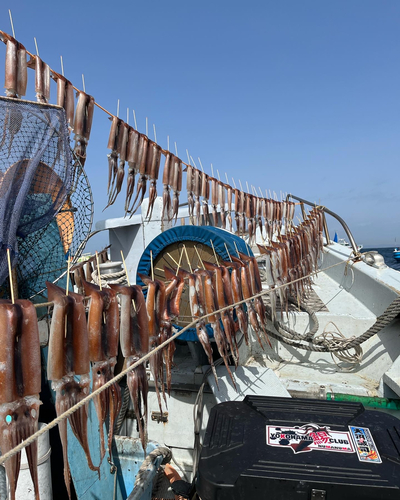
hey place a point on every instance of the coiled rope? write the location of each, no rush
(390, 313)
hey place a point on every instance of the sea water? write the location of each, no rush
(387, 254)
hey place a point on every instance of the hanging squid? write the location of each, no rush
(65, 98)
(16, 73)
(214, 200)
(211, 305)
(114, 142)
(197, 309)
(132, 156)
(69, 357)
(15, 85)
(222, 301)
(176, 184)
(173, 294)
(205, 193)
(166, 189)
(238, 297)
(237, 211)
(134, 338)
(250, 217)
(189, 189)
(103, 331)
(83, 125)
(142, 182)
(20, 385)
(42, 79)
(197, 193)
(152, 172)
(228, 213)
(155, 304)
(221, 201)
(123, 135)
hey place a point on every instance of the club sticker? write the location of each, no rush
(365, 446)
(309, 437)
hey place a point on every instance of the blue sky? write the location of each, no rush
(295, 96)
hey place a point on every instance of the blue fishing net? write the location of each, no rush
(35, 174)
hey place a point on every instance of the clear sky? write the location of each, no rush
(296, 96)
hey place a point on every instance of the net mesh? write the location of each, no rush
(46, 204)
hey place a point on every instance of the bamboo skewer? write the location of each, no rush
(227, 251)
(68, 266)
(10, 275)
(98, 269)
(127, 278)
(215, 253)
(179, 263)
(188, 261)
(151, 265)
(200, 259)
(11, 21)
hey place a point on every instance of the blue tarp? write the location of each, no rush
(198, 234)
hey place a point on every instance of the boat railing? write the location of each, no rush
(333, 214)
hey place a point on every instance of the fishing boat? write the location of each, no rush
(396, 254)
(342, 241)
(295, 394)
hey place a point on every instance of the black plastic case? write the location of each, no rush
(283, 449)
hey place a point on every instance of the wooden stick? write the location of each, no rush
(179, 263)
(241, 187)
(194, 163)
(62, 66)
(188, 261)
(227, 251)
(127, 278)
(215, 253)
(155, 135)
(151, 264)
(237, 251)
(127, 116)
(188, 157)
(170, 256)
(200, 259)
(68, 266)
(12, 27)
(167, 142)
(126, 270)
(234, 184)
(176, 149)
(212, 170)
(134, 118)
(10, 275)
(98, 269)
(201, 165)
(36, 45)
(118, 108)
(84, 87)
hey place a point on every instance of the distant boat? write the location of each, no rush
(345, 243)
(396, 254)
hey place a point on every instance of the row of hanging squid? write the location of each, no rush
(144, 158)
(293, 257)
(16, 80)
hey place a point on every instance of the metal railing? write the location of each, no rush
(326, 210)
